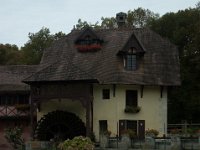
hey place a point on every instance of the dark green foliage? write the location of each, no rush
(31, 52)
(77, 143)
(33, 49)
(14, 137)
(84, 24)
(138, 17)
(10, 54)
(183, 29)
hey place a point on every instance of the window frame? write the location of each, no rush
(103, 126)
(105, 94)
(131, 62)
(134, 101)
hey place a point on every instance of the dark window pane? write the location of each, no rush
(10, 100)
(132, 125)
(103, 126)
(23, 99)
(2, 100)
(131, 62)
(131, 98)
(106, 94)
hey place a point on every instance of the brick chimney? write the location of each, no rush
(121, 19)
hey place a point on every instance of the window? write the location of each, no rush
(23, 99)
(2, 100)
(131, 62)
(128, 124)
(103, 126)
(106, 94)
(11, 100)
(138, 126)
(131, 98)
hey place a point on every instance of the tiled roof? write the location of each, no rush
(63, 62)
(11, 77)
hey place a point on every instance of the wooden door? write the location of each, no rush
(141, 129)
(122, 126)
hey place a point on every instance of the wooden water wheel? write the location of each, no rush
(59, 125)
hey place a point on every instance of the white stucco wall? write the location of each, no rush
(153, 107)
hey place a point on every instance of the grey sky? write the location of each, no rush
(19, 17)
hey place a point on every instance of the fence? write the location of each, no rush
(166, 143)
(184, 129)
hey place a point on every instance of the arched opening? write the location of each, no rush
(59, 125)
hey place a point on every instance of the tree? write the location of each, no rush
(183, 29)
(84, 24)
(138, 17)
(33, 49)
(10, 54)
(198, 5)
(108, 23)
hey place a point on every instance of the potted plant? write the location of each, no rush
(151, 132)
(107, 133)
(104, 138)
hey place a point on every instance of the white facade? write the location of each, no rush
(153, 107)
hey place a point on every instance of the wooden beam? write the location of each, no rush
(114, 89)
(88, 118)
(161, 91)
(31, 116)
(141, 91)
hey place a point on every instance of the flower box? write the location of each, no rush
(88, 47)
(132, 109)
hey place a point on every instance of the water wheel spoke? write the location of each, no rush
(57, 124)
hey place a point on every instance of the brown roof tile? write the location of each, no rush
(11, 77)
(63, 62)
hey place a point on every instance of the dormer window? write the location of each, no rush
(131, 62)
(88, 41)
(130, 59)
(132, 53)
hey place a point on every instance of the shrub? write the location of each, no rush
(129, 132)
(14, 137)
(175, 131)
(77, 143)
(107, 133)
(151, 132)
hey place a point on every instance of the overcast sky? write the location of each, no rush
(19, 17)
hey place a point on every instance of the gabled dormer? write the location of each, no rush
(88, 41)
(132, 52)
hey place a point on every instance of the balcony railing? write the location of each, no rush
(11, 111)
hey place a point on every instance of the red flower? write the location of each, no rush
(87, 48)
